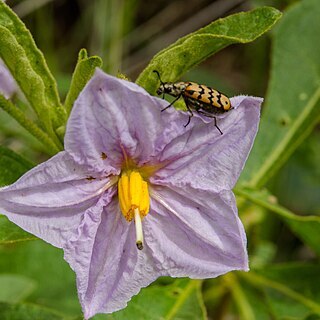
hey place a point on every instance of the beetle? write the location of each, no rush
(200, 98)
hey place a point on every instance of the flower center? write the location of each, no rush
(134, 200)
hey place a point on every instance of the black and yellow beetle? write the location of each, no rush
(200, 98)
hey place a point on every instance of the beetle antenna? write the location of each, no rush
(158, 74)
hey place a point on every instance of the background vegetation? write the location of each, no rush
(278, 193)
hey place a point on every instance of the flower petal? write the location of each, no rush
(115, 116)
(8, 86)
(113, 269)
(49, 200)
(198, 235)
(202, 158)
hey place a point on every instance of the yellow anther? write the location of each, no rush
(135, 188)
(145, 200)
(123, 186)
(133, 194)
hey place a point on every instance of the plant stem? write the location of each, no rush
(239, 297)
(29, 125)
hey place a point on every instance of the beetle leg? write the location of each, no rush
(187, 102)
(171, 104)
(215, 124)
(211, 116)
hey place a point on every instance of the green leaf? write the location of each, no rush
(82, 74)
(307, 228)
(194, 48)
(297, 183)
(26, 312)
(12, 166)
(44, 264)
(14, 287)
(292, 107)
(11, 233)
(28, 66)
(291, 290)
(180, 300)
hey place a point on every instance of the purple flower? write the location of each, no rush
(132, 177)
(8, 85)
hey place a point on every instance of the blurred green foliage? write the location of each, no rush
(282, 222)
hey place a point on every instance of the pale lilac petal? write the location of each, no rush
(202, 158)
(111, 268)
(115, 116)
(50, 199)
(195, 234)
(8, 86)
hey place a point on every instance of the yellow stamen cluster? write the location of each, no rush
(133, 194)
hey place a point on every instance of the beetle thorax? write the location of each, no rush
(173, 89)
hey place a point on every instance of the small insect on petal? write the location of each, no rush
(200, 98)
(103, 156)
